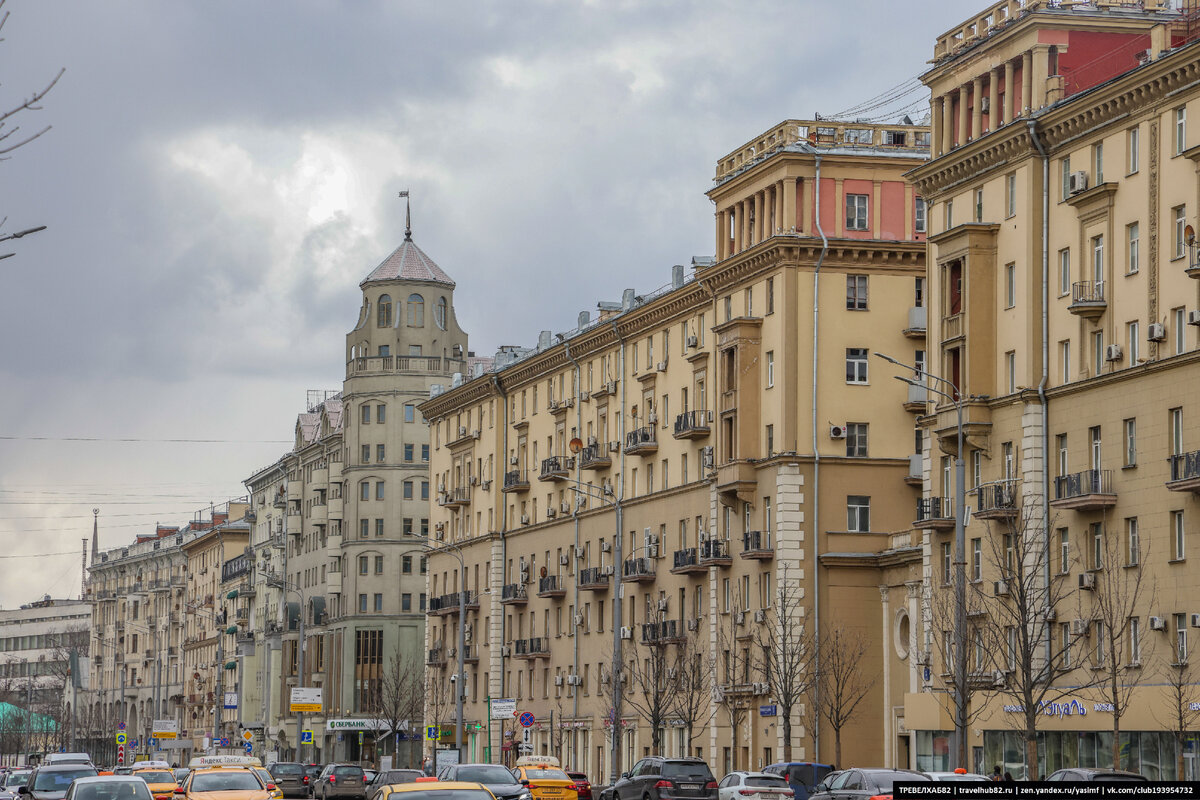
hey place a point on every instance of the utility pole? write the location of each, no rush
(300, 682)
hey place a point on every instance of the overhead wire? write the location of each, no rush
(126, 439)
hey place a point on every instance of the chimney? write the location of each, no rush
(627, 299)
(544, 340)
(585, 319)
(677, 276)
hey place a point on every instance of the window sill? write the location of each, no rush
(1176, 560)
(1133, 274)
(1177, 258)
(1129, 466)
(1134, 565)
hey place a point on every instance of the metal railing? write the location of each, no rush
(594, 454)
(714, 549)
(931, 508)
(557, 465)
(1080, 484)
(693, 421)
(756, 541)
(997, 497)
(1087, 292)
(638, 568)
(513, 591)
(404, 364)
(1185, 466)
(641, 437)
(667, 630)
(550, 583)
(592, 576)
(686, 557)
(515, 478)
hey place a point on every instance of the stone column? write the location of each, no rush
(888, 736)
(1041, 74)
(1026, 82)
(994, 119)
(977, 108)
(757, 225)
(964, 119)
(939, 123)
(914, 641)
(722, 235)
(947, 123)
(789, 205)
(876, 209)
(735, 214)
(744, 212)
(779, 218)
(1010, 90)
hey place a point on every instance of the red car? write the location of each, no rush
(581, 785)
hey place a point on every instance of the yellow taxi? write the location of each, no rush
(545, 779)
(223, 778)
(427, 788)
(158, 777)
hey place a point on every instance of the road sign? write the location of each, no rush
(249, 748)
(121, 754)
(231, 699)
(165, 729)
(224, 742)
(306, 699)
(152, 742)
(305, 737)
(121, 739)
(527, 736)
(133, 743)
(247, 736)
(432, 732)
(526, 719)
(768, 711)
(504, 709)
(120, 726)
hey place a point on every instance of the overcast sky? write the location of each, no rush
(220, 176)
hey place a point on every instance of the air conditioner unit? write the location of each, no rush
(1000, 589)
(607, 569)
(524, 519)
(514, 461)
(693, 342)
(558, 680)
(1112, 352)
(462, 430)
(551, 512)
(760, 615)
(476, 433)
(1158, 624)
(580, 551)
(1079, 627)
(837, 431)
(1077, 182)
(672, 673)
(1193, 318)
(739, 618)
(707, 457)
(611, 386)
(652, 419)
(585, 396)
(593, 441)
(486, 485)
(1087, 580)
(662, 366)
(574, 680)
(579, 618)
(606, 547)
(761, 688)
(564, 560)
(439, 526)
(472, 481)
(693, 625)
(999, 678)
(651, 538)
(626, 633)
(652, 551)
(506, 651)
(1157, 332)
(614, 447)
(664, 604)
(1049, 614)
(565, 507)
(1196, 620)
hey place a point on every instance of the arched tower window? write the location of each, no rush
(384, 315)
(439, 314)
(416, 311)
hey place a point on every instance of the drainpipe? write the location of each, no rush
(503, 556)
(1032, 125)
(816, 504)
(575, 514)
(618, 687)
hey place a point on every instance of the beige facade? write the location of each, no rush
(1064, 300)
(339, 522)
(706, 462)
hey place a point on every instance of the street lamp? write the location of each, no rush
(286, 586)
(960, 555)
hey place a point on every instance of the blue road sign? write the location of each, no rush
(527, 719)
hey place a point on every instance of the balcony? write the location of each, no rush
(458, 497)
(693, 424)
(952, 327)
(757, 545)
(665, 632)
(687, 561)
(551, 586)
(935, 513)
(514, 594)
(556, 468)
(997, 501)
(595, 456)
(593, 579)
(471, 654)
(1185, 472)
(715, 553)
(642, 441)
(537, 647)
(318, 513)
(436, 657)
(1087, 299)
(737, 477)
(916, 467)
(638, 570)
(917, 322)
(917, 401)
(295, 525)
(384, 365)
(1089, 490)
(447, 604)
(515, 481)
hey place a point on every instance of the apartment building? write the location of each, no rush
(1062, 278)
(698, 455)
(339, 522)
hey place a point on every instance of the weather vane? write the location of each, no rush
(407, 215)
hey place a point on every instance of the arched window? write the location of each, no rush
(416, 311)
(439, 313)
(384, 315)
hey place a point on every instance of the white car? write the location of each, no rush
(753, 785)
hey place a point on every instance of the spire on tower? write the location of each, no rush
(95, 535)
(407, 216)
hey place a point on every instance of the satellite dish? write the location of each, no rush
(1189, 235)
(576, 445)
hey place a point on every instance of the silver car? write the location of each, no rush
(13, 782)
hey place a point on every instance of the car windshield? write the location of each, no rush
(16, 779)
(156, 776)
(545, 774)
(457, 794)
(287, 769)
(1113, 778)
(348, 772)
(226, 781)
(112, 790)
(480, 773)
(765, 780)
(687, 771)
(59, 780)
(402, 776)
(884, 780)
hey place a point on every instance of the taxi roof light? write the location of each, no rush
(223, 761)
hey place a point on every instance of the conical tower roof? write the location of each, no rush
(409, 263)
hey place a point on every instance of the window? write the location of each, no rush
(362, 604)
(920, 224)
(1098, 162)
(770, 441)
(1130, 428)
(1132, 343)
(1010, 285)
(977, 559)
(1177, 536)
(1180, 129)
(979, 205)
(1098, 353)
(366, 454)
(1097, 554)
(1064, 272)
(1064, 551)
(858, 514)
(439, 313)
(1010, 369)
(1179, 317)
(379, 527)
(1132, 234)
(856, 365)
(379, 560)
(1064, 354)
(1134, 143)
(949, 214)
(1135, 641)
(856, 439)
(407, 526)
(363, 563)
(1181, 647)
(856, 212)
(1010, 189)
(919, 293)
(424, 490)
(408, 452)
(425, 452)
(1132, 548)
(365, 414)
(947, 563)
(1099, 662)
(770, 368)
(379, 454)
(379, 490)
(406, 565)
(1098, 258)
(383, 318)
(728, 309)
(1180, 231)
(410, 413)
(364, 528)
(408, 490)
(770, 296)
(364, 490)
(416, 311)
(406, 602)
(1064, 640)
(1066, 177)
(856, 292)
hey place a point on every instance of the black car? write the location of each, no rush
(660, 778)
(389, 777)
(498, 780)
(853, 784)
(51, 782)
(1092, 775)
(290, 778)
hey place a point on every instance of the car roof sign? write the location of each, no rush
(223, 761)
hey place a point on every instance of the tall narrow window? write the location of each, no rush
(1177, 536)
(949, 214)
(1134, 143)
(383, 317)
(1130, 426)
(856, 292)
(1181, 646)
(1179, 323)
(1010, 370)
(976, 559)
(1132, 238)
(1064, 272)
(416, 311)
(1180, 231)
(1132, 545)
(1098, 259)
(1010, 285)
(1133, 342)
(1098, 162)
(1097, 555)
(1135, 641)
(1180, 129)
(1066, 177)
(1010, 186)
(1175, 431)
(856, 212)
(1064, 354)
(439, 313)
(920, 214)
(770, 368)
(1098, 353)
(979, 205)
(1064, 551)
(770, 295)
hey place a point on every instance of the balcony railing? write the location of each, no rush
(693, 424)
(686, 561)
(952, 327)
(1084, 491)
(536, 647)
(936, 513)
(1087, 299)
(1185, 472)
(638, 569)
(757, 545)
(665, 632)
(516, 481)
(514, 593)
(593, 579)
(457, 497)
(556, 468)
(551, 586)
(996, 501)
(715, 552)
(917, 317)
(376, 364)
(595, 456)
(641, 440)
(437, 656)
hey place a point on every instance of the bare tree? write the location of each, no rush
(734, 691)
(651, 675)
(693, 705)
(1120, 588)
(1183, 689)
(439, 699)
(401, 699)
(785, 648)
(841, 679)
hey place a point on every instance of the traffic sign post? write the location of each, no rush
(527, 719)
(247, 736)
(306, 737)
(121, 739)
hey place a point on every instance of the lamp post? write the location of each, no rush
(960, 554)
(286, 586)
